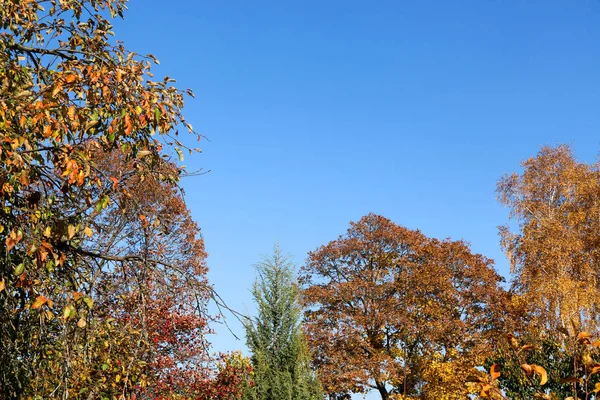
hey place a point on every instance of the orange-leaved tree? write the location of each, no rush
(102, 281)
(393, 310)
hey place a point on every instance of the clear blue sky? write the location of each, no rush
(319, 112)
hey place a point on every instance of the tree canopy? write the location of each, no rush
(391, 309)
(554, 256)
(102, 284)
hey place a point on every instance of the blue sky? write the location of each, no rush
(321, 112)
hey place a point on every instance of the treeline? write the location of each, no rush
(103, 289)
(389, 309)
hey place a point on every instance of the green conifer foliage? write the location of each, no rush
(280, 356)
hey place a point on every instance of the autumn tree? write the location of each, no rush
(280, 357)
(393, 310)
(554, 253)
(102, 282)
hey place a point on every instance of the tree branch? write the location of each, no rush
(31, 50)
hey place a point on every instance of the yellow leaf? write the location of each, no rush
(527, 369)
(118, 378)
(485, 390)
(541, 373)
(56, 89)
(88, 231)
(90, 124)
(81, 323)
(597, 387)
(71, 231)
(513, 341)
(71, 112)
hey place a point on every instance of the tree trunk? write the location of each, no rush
(382, 390)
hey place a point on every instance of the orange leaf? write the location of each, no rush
(10, 243)
(115, 181)
(495, 371)
(2, 285)
(584, 337)
(40, 301)
(128, 125)
(47, 131)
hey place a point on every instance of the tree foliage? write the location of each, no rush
(554, 255)
(555, 251)
(392, 310)
(280, 356)
(102, 281)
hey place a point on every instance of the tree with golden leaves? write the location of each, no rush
(393, 310)
(102, 279)
(554, 253)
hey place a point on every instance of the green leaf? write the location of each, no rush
(69, 312)
(19, 269)
(89, 302)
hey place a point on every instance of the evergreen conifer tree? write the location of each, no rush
(280, 355)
